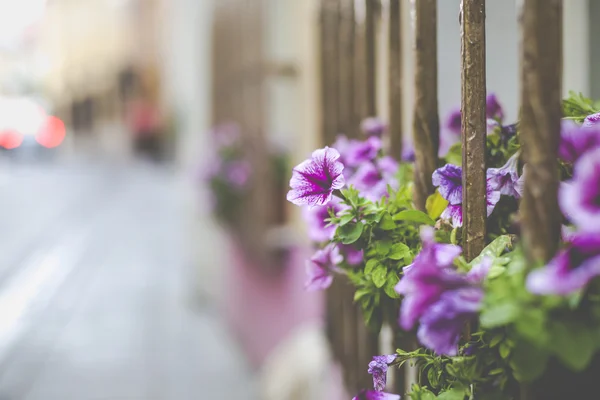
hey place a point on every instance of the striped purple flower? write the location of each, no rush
(314, 180)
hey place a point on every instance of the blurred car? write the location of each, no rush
(26, 130)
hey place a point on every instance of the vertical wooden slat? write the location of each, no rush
(541, 81)
(541, 70)
(395, 78)
(425, 119)
(348, 119)
(473, 92)
(350, 338)
(371, 12)
(367, 342)
(329, 69)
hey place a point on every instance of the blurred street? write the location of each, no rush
(95, 299)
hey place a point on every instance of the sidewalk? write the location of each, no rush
(109, 314)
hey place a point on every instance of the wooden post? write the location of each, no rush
(348, 118)
(425, 119)
(541, 73)
(329, 70)
(541, 70)
(473, 130)
(395, 78)
(372, 7)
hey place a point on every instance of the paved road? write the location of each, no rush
(94, 298)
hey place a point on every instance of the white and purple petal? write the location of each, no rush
(375, 395)
(321, 266)
(453, 213)
(314, 180)
(576, 140)
(579, 199)
(448, 179)
(444, 321)
(506, 178)
(373, 126)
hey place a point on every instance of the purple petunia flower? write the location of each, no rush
(226, 135)
(375, 395)
(238, 173)
(579, 199)
(352, 256)
(321, 266)
(479, 272)
(448, 179)
(359, 152)
(576, 140)
(443, 322)
(453, 213)
(450, 131)
(591, 120)
(493, 109)
(318, 228)
(314, 180)
(388, 166)
(378, 368)
(373, 126)
(431, 274)
(365, 177)
(571, 269)
(448, 184)
(408, 151)
(506, 178)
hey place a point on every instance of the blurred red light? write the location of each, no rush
(10, 139)
(52, 133)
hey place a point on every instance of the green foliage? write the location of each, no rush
(518, 332)
(435, 205)
(577, 107)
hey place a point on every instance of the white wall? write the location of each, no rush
(502, 41)
(186, 72)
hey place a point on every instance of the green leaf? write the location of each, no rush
(531, 325)
(387, 223)
(435, 205)
(370, 266)
(360, 293)
(504, 350)
(383, 247)
(496, 339)
(414, 216)
(399, 251)
(378, 276)
(574, 343)
(454, 155)
(499, 315)
(452, 394)
(528, 361)
(494, 249)
(350, 233)
(495, 271)
(344, 219)
(390, 284)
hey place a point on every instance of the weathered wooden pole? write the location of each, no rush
(329, 53)
(541, 81)
(473, 128)
(425, 119)
(366, 16)
(395, 77)
(371, 12)
(395, 134)
(348, 116)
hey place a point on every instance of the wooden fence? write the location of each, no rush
(351, 38)
(348, 52)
